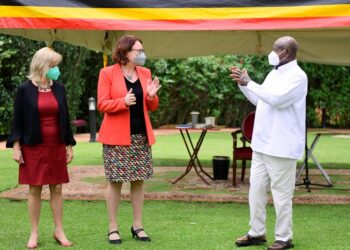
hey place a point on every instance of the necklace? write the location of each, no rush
(41, 88)
(129, 77)
(44, 89)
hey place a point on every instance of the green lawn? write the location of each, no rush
(170, 150)
(332, 152)
(173, 225)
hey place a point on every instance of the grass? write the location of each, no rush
(169, 150)
(173, 225)
(176, 225)
(8, 170)
(332, 152)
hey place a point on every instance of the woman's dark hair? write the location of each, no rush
(122, 47)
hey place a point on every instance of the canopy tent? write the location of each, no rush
(183, 28)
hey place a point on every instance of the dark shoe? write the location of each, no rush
(248, 240)
(134, 233)
(118, 241)
(279, 244)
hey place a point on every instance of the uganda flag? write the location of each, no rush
(174, 14)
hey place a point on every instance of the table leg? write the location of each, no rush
(193, 156)
(190, 163)
(197, 148)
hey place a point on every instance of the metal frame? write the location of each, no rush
(193, 155)
(308, 154)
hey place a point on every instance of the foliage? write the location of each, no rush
(15, 56)
(93, 65)
(201, 83)
(80, 69)
(79, 75)
(72, 68)
(329, 90)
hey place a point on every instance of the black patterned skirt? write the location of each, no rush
(128, 163)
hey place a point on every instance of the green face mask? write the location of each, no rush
(53, 73)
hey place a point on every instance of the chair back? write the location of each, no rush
(248, 125)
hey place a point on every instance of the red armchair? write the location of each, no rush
(242, 153)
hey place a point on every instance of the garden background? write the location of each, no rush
(201, 83)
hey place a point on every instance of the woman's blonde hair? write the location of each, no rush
(42, 61)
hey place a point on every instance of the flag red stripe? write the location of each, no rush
(226, 24)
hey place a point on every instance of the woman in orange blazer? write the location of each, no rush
(126, 92)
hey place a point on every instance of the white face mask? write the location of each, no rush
(274, 59)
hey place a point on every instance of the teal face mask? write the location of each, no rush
(53, 73)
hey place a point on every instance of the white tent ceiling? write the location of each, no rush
(321, 29)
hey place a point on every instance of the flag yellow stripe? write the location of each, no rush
(175, 13)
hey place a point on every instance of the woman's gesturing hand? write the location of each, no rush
(153, 87)
(130, 98)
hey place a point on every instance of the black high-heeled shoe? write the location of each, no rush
(118, 241)
(134, 233)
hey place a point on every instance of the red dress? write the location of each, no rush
(45, 163)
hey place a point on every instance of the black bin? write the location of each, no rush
(220, 167)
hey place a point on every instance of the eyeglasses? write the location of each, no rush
(139, 50)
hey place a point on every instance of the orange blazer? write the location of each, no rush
(111, 91)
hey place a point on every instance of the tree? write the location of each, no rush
(15, 56)
(200, 83)
(329, 91)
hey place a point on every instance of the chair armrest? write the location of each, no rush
(243, 140)
(234, 137)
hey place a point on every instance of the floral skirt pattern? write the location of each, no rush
(128, 163)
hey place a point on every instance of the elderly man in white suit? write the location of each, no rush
(278, 141)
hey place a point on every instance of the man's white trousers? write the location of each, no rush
(278, 175)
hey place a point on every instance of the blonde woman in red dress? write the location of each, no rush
(42, 140)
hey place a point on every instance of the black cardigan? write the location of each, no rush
(26, 120)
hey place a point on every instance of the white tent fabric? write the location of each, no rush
(183, 28)
(327, 46)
